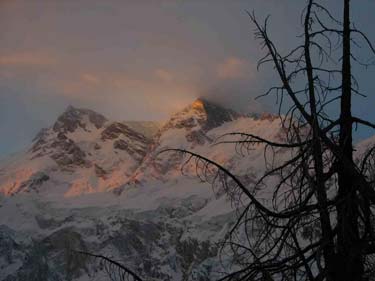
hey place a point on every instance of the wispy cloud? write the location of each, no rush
(121, 92)
(90, 78)
(19, 59)
(232, 68)
(163, 75)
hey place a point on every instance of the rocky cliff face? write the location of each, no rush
(74, 118)
(200, 115)
(166, 243)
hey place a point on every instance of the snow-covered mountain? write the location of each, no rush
(103, 186)
(82, 152)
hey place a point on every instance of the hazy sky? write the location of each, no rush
(140, 59)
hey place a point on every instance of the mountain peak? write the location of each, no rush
(73, 117)
(215, 114)
(70, 108)
(203, 104)
(199, 103)
(201, 113)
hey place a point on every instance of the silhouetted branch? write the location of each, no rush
(116, 269)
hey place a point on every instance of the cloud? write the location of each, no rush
(232, 85)
(163, 75)
(90, 78)
(119, 94)
(232, 68)
(19, 59)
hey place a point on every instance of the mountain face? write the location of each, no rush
(82, 152)
(201, 115)
(86, 153)
(187, 129)
(74, 118)
(146, 128)
(104, 186)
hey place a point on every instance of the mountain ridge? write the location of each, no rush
(86, 143)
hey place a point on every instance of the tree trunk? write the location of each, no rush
(349, 265)
(325, 222)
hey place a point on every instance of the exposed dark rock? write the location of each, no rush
(216, 115)
(64, 151)
(9, 248)
(39, 140)
(203, 113)
(34, 182)
(126, 139)
(188, 123)
(146, 128)
(53, 258)
(38, 145)
(193, 252)
(120, 144)
(136, 152)
(116, 129)
(99, 171)
(41, 134)
(198, 137)
(73, 117)
(67, 153)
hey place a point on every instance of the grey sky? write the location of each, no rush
(139, 60)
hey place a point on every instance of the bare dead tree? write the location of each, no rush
(319, 222)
